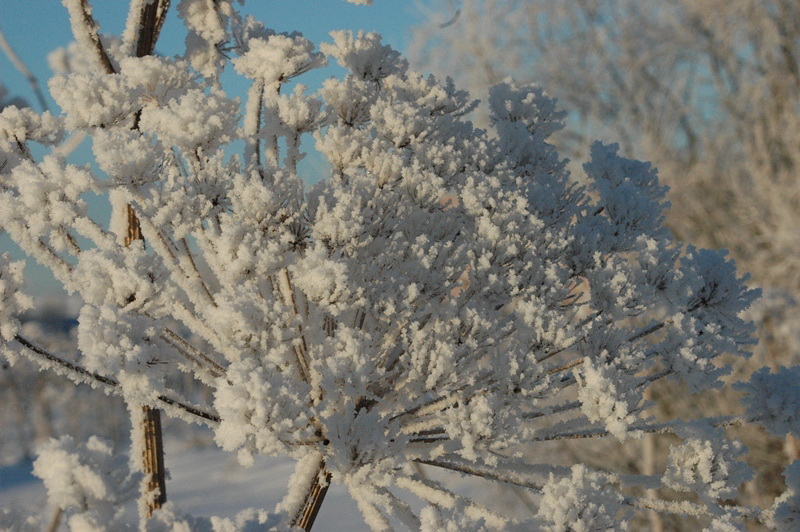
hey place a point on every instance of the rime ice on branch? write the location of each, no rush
(443, 298)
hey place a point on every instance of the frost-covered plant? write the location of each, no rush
(38, 405)
(88, 479)
(442, 300)
(708, 92)
(786, 511)
(96, 489)
(774, 398)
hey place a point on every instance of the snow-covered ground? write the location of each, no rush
(204, 482)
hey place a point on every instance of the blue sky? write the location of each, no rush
(35, 27)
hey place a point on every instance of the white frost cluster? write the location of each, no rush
(773, 400)
(126, 155)
(278, 58)
(12, 300)
(208, 23)
(583, 501)
(90, 481)
(170, 519)
(364, 55)
(196, 121)
(93, 485)
(786, 508)
(603, 401)
(707, 464)
(94, 99)
(20, 125)
(444, 298)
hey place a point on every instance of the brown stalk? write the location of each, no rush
(153, 445)
(319, 486)
(152, 18)
(313, 501)
(89, 23)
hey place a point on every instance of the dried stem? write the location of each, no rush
(319, 486)
(155, 491)
(484, 472)
(56, 521)
(85, 30)
(189, 351)
(81, 375)
(153, 459)
(313, 499)
(200, 279)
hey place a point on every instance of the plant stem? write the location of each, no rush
(313, 499)
(153, 458)
(153, 446)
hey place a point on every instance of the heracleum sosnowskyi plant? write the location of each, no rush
(443, 299)
(710, 93)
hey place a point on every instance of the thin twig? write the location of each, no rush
(197, 272)
(23, 69)
(654, 428)
(81, 375)
(190, 351)
(476, 470)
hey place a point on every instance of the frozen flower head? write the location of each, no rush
(441, 299)
(278, 58)
(707, 464)
(773, 400)
(364, 55)
(193, 121)
(582, 502)
(160, 79)
(299, 113)
(88, 479)
(528, 104)
(20, 125)
(128, 156)
(95, 99)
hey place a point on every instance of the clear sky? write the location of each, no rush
(35, 27)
